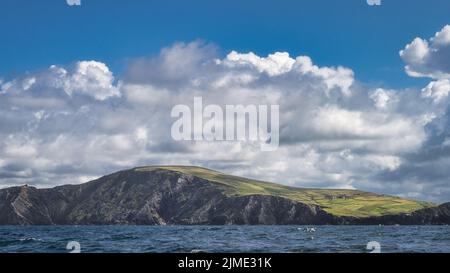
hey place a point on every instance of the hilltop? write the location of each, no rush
(335, 201)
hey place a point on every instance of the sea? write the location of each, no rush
(189, 239)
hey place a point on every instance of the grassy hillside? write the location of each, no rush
(338, 202)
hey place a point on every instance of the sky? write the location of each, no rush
(350, 33)
(86, 88)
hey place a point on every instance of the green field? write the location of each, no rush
(338, 202)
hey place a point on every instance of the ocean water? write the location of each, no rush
(224, 238)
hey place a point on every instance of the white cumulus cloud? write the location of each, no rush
(65, 123)
(429, 58)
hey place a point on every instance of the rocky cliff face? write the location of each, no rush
(159, 197)
(163, 197)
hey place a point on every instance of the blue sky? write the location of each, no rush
(36, 34)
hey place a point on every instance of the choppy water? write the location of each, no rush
(224, 238)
